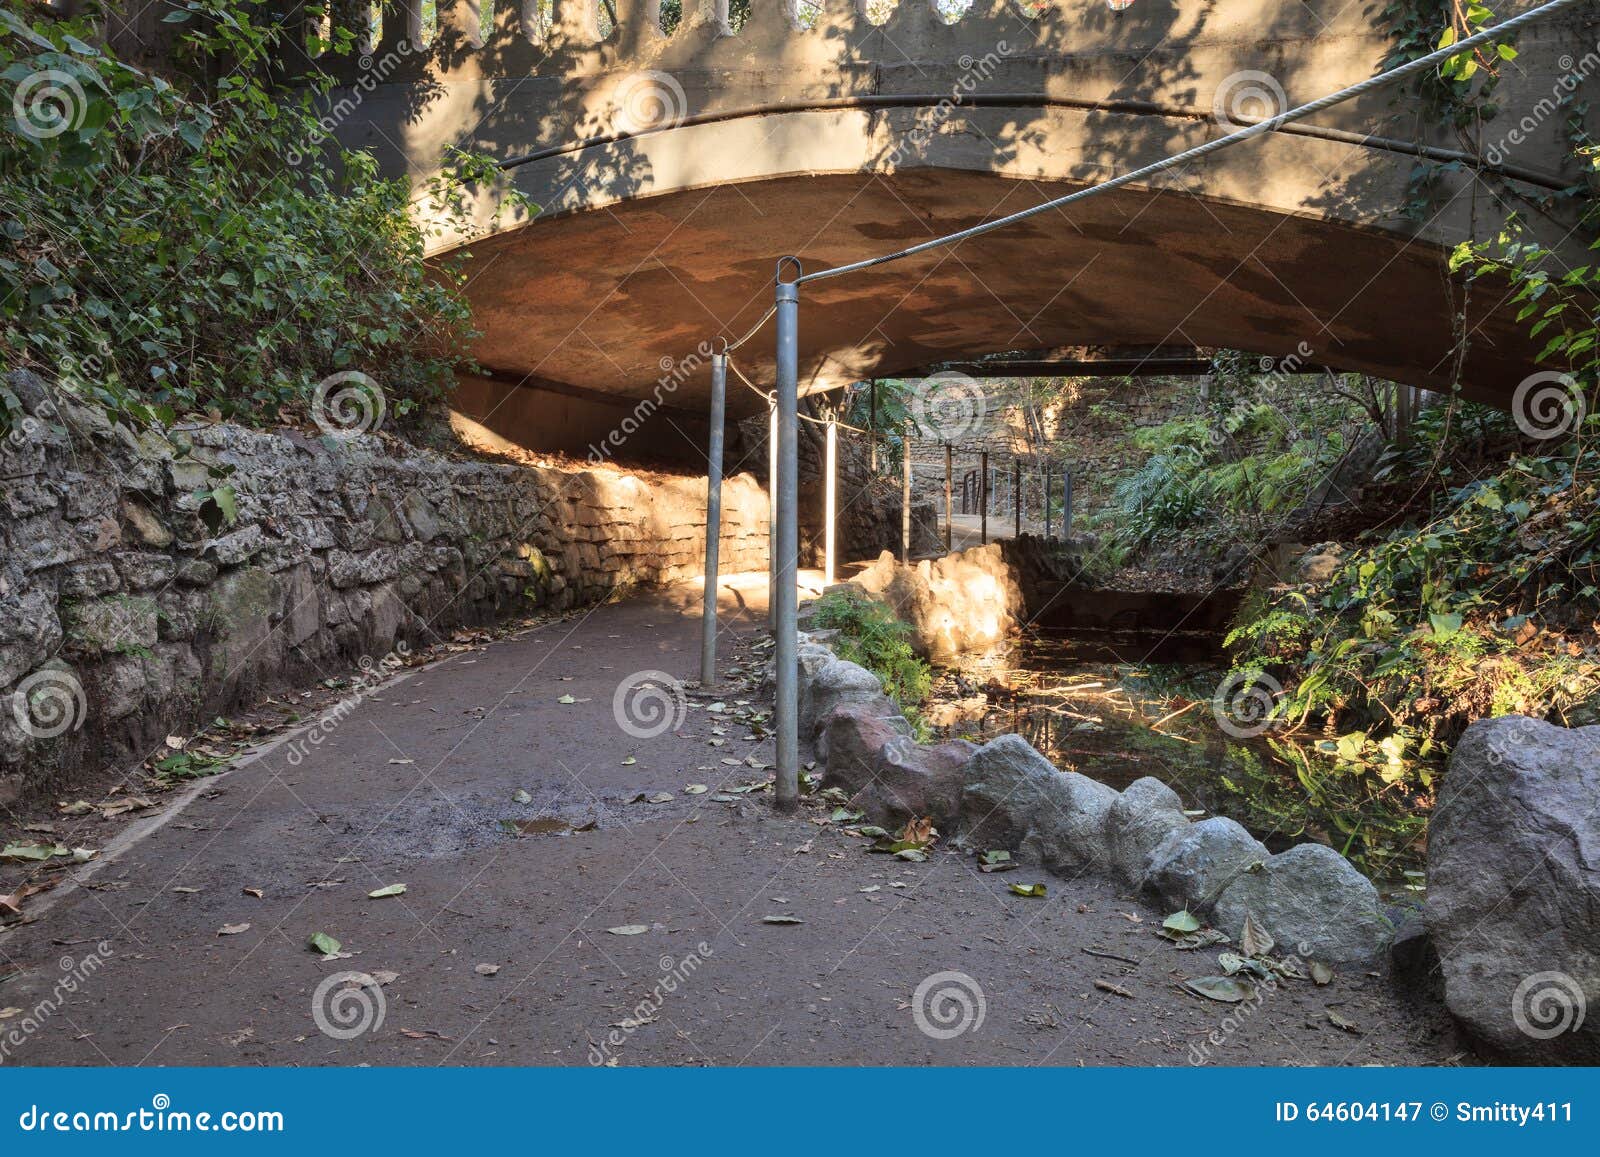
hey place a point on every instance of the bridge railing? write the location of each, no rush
(503, 37)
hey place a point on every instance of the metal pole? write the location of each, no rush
(1049, 485)
(905, 495)
(830, 503)
(949, 465)
(772, 518)
(983, 497)
(788, 690)
(1016, 494)
(1066, 504)
(872, 427)
(708, 616)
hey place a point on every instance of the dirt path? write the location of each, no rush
(412, 787)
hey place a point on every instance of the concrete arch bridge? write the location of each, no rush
(670, 172)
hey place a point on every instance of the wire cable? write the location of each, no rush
(1270, 124)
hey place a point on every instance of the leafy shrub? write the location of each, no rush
(161, 254)
(1486, 610)
(871, 635)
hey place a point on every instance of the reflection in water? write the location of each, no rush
(1098, 709)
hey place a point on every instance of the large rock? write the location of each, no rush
(1192, 866)
(1313, 902)
(1137, 823)
(887, 774)
(965, 603)
(1514, 888)
(837, 683)
(1016, 799)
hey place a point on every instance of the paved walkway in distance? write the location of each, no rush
(508, 949)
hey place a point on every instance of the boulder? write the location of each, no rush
(1016, 799)
(1137, 823)
(1313, 902)
(1513, 900)
(1192, 866)
(888, 774)
(837, 683)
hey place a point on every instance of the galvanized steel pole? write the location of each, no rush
(830, 504)
(983, 497)
(905, 494)
(949, 465)
(1016, 495)
(788, 543)
(708, 615)
(772, 517)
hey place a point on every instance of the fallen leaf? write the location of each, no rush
(390, 890)
(660, 797)
(696, 789)
(384, 976)
(1255, 940)
(1321, 973)
(521, 796)
(1340, 1022)
(8, 1013)
(256, 892)
(628, 929)
(487, 969)
(566, 699)
(1227, 989)
(24, 852)
(232, 929)
(1114, 989)
(629, 761)
(323, 943)
(187, 891)
(781, 920)
(1037, 891)
(1182, 921)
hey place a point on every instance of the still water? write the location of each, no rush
(1110, 713)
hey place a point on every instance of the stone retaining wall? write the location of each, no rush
(124, 616)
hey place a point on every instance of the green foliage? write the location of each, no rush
(1204, 480)
(1485, 610)
(162, 254)
(871, 635)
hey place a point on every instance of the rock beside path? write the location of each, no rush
(1514, 888)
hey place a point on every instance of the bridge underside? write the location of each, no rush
(603, 303)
